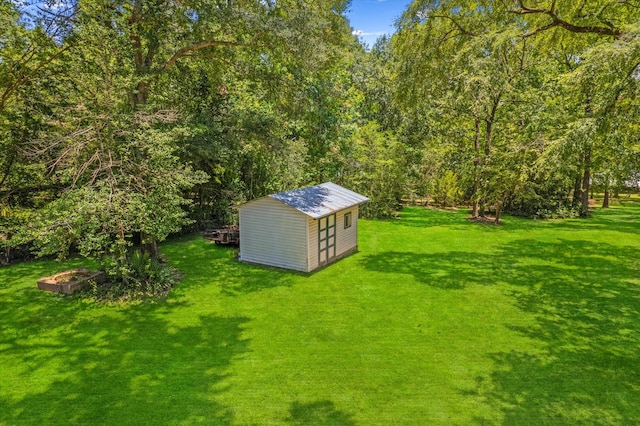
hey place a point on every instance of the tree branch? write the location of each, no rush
(592, 29)
(29, 190)
(199, 46)
(525, 10)
(607, 30)
(16, 84)
(456, 23)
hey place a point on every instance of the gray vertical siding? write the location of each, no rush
(272, 233)
(312, 230)
(347, 239)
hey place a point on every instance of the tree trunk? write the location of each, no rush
(476, 204)
(7, 249)
(487, 147)
(150, 246)
(586, 181)
(141, 94)
(576, 191)
(143, 58)
(605, 202)
(586, 177)
(152, 249)
(476, 167)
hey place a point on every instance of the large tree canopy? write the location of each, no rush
(530, 85)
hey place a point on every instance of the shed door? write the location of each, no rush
(326, 239)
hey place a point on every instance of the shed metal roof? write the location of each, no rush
(320, 200)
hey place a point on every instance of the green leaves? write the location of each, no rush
(375, 164)
(529, 95)
(134, 186)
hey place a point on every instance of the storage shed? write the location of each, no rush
(303, 229)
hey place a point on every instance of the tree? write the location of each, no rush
(31, 48)
(265, 119)
(139, 191)
(469, 69)
(375, 164)
(468, 77)
(115, 168)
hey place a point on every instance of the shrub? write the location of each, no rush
(542, 207)
(134, 276)
(446, 191)
(376, 168)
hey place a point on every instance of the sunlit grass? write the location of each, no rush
(436, 320)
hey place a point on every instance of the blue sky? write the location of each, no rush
(372, 18)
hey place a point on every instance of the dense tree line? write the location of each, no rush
(527, 103)
(124, 121)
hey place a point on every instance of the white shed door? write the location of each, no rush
(326, 239)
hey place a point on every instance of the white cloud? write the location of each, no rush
(360, 33)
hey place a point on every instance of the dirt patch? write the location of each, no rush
(486, 220)
(442, 209)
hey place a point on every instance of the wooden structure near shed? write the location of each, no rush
(304, 229)
(229, 235)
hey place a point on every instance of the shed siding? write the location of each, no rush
(346, 239)
(272, 233)
(312, 226)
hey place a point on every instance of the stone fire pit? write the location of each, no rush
(69, 281)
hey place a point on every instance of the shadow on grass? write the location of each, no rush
(617, 219)
(318, 413)
(523, 262)
(584, 297)
(70, 363)
(204, 263)
(34, 270)
(589, 319)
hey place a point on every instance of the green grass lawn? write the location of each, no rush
(436, 320)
